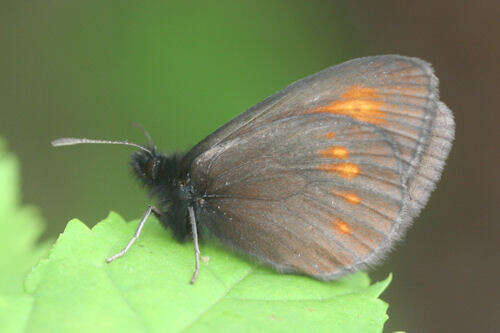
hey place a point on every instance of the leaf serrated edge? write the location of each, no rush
(30, 283)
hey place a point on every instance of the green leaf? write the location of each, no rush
(148, 289)
(14, 312)
(20, 227)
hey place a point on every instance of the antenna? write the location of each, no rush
(76, 141)
(145, 133)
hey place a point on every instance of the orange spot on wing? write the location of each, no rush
(341, 227)
(357, 102)
(350, 197)
(330, 135)
(334, 152)
(346, 170)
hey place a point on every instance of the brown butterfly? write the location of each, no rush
(320, 178)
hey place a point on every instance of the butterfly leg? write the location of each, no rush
(148, 211)
(195, 242)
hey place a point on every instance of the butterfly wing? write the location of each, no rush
(322, 177)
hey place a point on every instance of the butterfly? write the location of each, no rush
(321, 178)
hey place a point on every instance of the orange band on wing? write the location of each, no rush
(341, 227)
(359, 103)
(330, 135)
(346, 170)
(349, 197)
(334, 152)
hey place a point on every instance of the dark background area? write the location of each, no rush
(89, 68)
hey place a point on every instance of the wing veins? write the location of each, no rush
(362, 203)
(403, 69)
(356, 220)
(250, 178)
(338, 243)
(326, 234)
(283, 244)
(354, 187)
(403, 83)
(423, 99)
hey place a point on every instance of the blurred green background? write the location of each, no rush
(183, 68)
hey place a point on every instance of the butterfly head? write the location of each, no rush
(156, 169)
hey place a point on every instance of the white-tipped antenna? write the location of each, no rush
(76, 141)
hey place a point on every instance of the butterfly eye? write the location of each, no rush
(149, 169)
(152, 169)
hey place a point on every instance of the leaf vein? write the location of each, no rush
(219, 299)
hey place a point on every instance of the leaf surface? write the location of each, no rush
(148, 289)
(20, 227)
